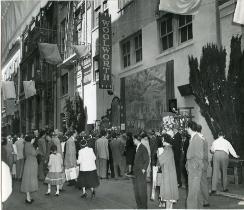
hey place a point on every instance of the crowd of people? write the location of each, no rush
(45, 155)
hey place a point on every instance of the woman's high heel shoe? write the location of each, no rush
(93, 194)
(84, 195)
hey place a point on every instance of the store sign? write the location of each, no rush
(87, 73)
(105, 51)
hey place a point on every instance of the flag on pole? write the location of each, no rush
(50, 53)
(239, 12)
(29, 88)
(181, 7)
(81, 50)
(8, 90)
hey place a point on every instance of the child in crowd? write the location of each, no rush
(55, 175)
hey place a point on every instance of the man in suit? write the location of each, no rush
(117, 148)
(102, 154)
(41, 155)
(194, 166)
(140, 171)
(204, 178)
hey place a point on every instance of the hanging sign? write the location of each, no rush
(105, 51)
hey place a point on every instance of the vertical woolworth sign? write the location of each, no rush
(105, 51)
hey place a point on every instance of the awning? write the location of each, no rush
(15, 16)
(8, 90)
(50, 53)
(81, 50)
(29, 88)
(182, 7)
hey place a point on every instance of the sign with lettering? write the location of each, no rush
(105, 51)
(87, 73)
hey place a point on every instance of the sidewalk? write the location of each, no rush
(235, 191)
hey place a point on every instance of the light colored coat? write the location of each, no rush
(55, 163)
(102, 148)
(169, 185)
(86, 159)
(70, 155)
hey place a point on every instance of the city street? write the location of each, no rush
(111, 194)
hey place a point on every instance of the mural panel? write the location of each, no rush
(145, 98)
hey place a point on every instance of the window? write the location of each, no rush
(138, 47)
(185, 28)
(64, 84)
(63, 32)
(126, 54)
(123, 3)
(96, 17)
(166, 32)
(131, 49)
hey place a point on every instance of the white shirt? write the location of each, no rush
(87, 159)
(223, 145)
(192, 135)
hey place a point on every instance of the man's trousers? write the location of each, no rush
(140, 189)
(220, 164)
(102, 167)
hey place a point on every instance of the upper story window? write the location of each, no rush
(166, 32)
(174, 30)
(126, 53)
(123, 3)
(131, 49)
(62, 35)
(138, 47)
(185, 28)
(64, 84)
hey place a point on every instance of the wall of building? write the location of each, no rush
(228, 28)
(204, 31)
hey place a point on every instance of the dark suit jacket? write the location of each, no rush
(141, 160)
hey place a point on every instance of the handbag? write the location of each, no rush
(72, 173)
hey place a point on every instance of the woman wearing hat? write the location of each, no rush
(168, 187)
(88, 177)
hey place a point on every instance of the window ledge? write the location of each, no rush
(130, 68)
(175, 49)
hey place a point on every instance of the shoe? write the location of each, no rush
(47, 193)
(29, 202)
(226, 190)
(213, 192)
(93, 194)
(206, 205)
(57, 194)
(84, 195)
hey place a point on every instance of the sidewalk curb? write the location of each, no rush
(231, 195)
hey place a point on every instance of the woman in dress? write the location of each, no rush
(168, 188)
(88, 177)
(29, 180)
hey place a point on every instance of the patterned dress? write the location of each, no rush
(55, 174)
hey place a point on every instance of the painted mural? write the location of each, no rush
(145, 98)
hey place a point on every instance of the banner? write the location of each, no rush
(29, 88)
(11, 107)
(239, 12)
(181, 7)
(8, 90)
(50, 53)
(105, 51)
